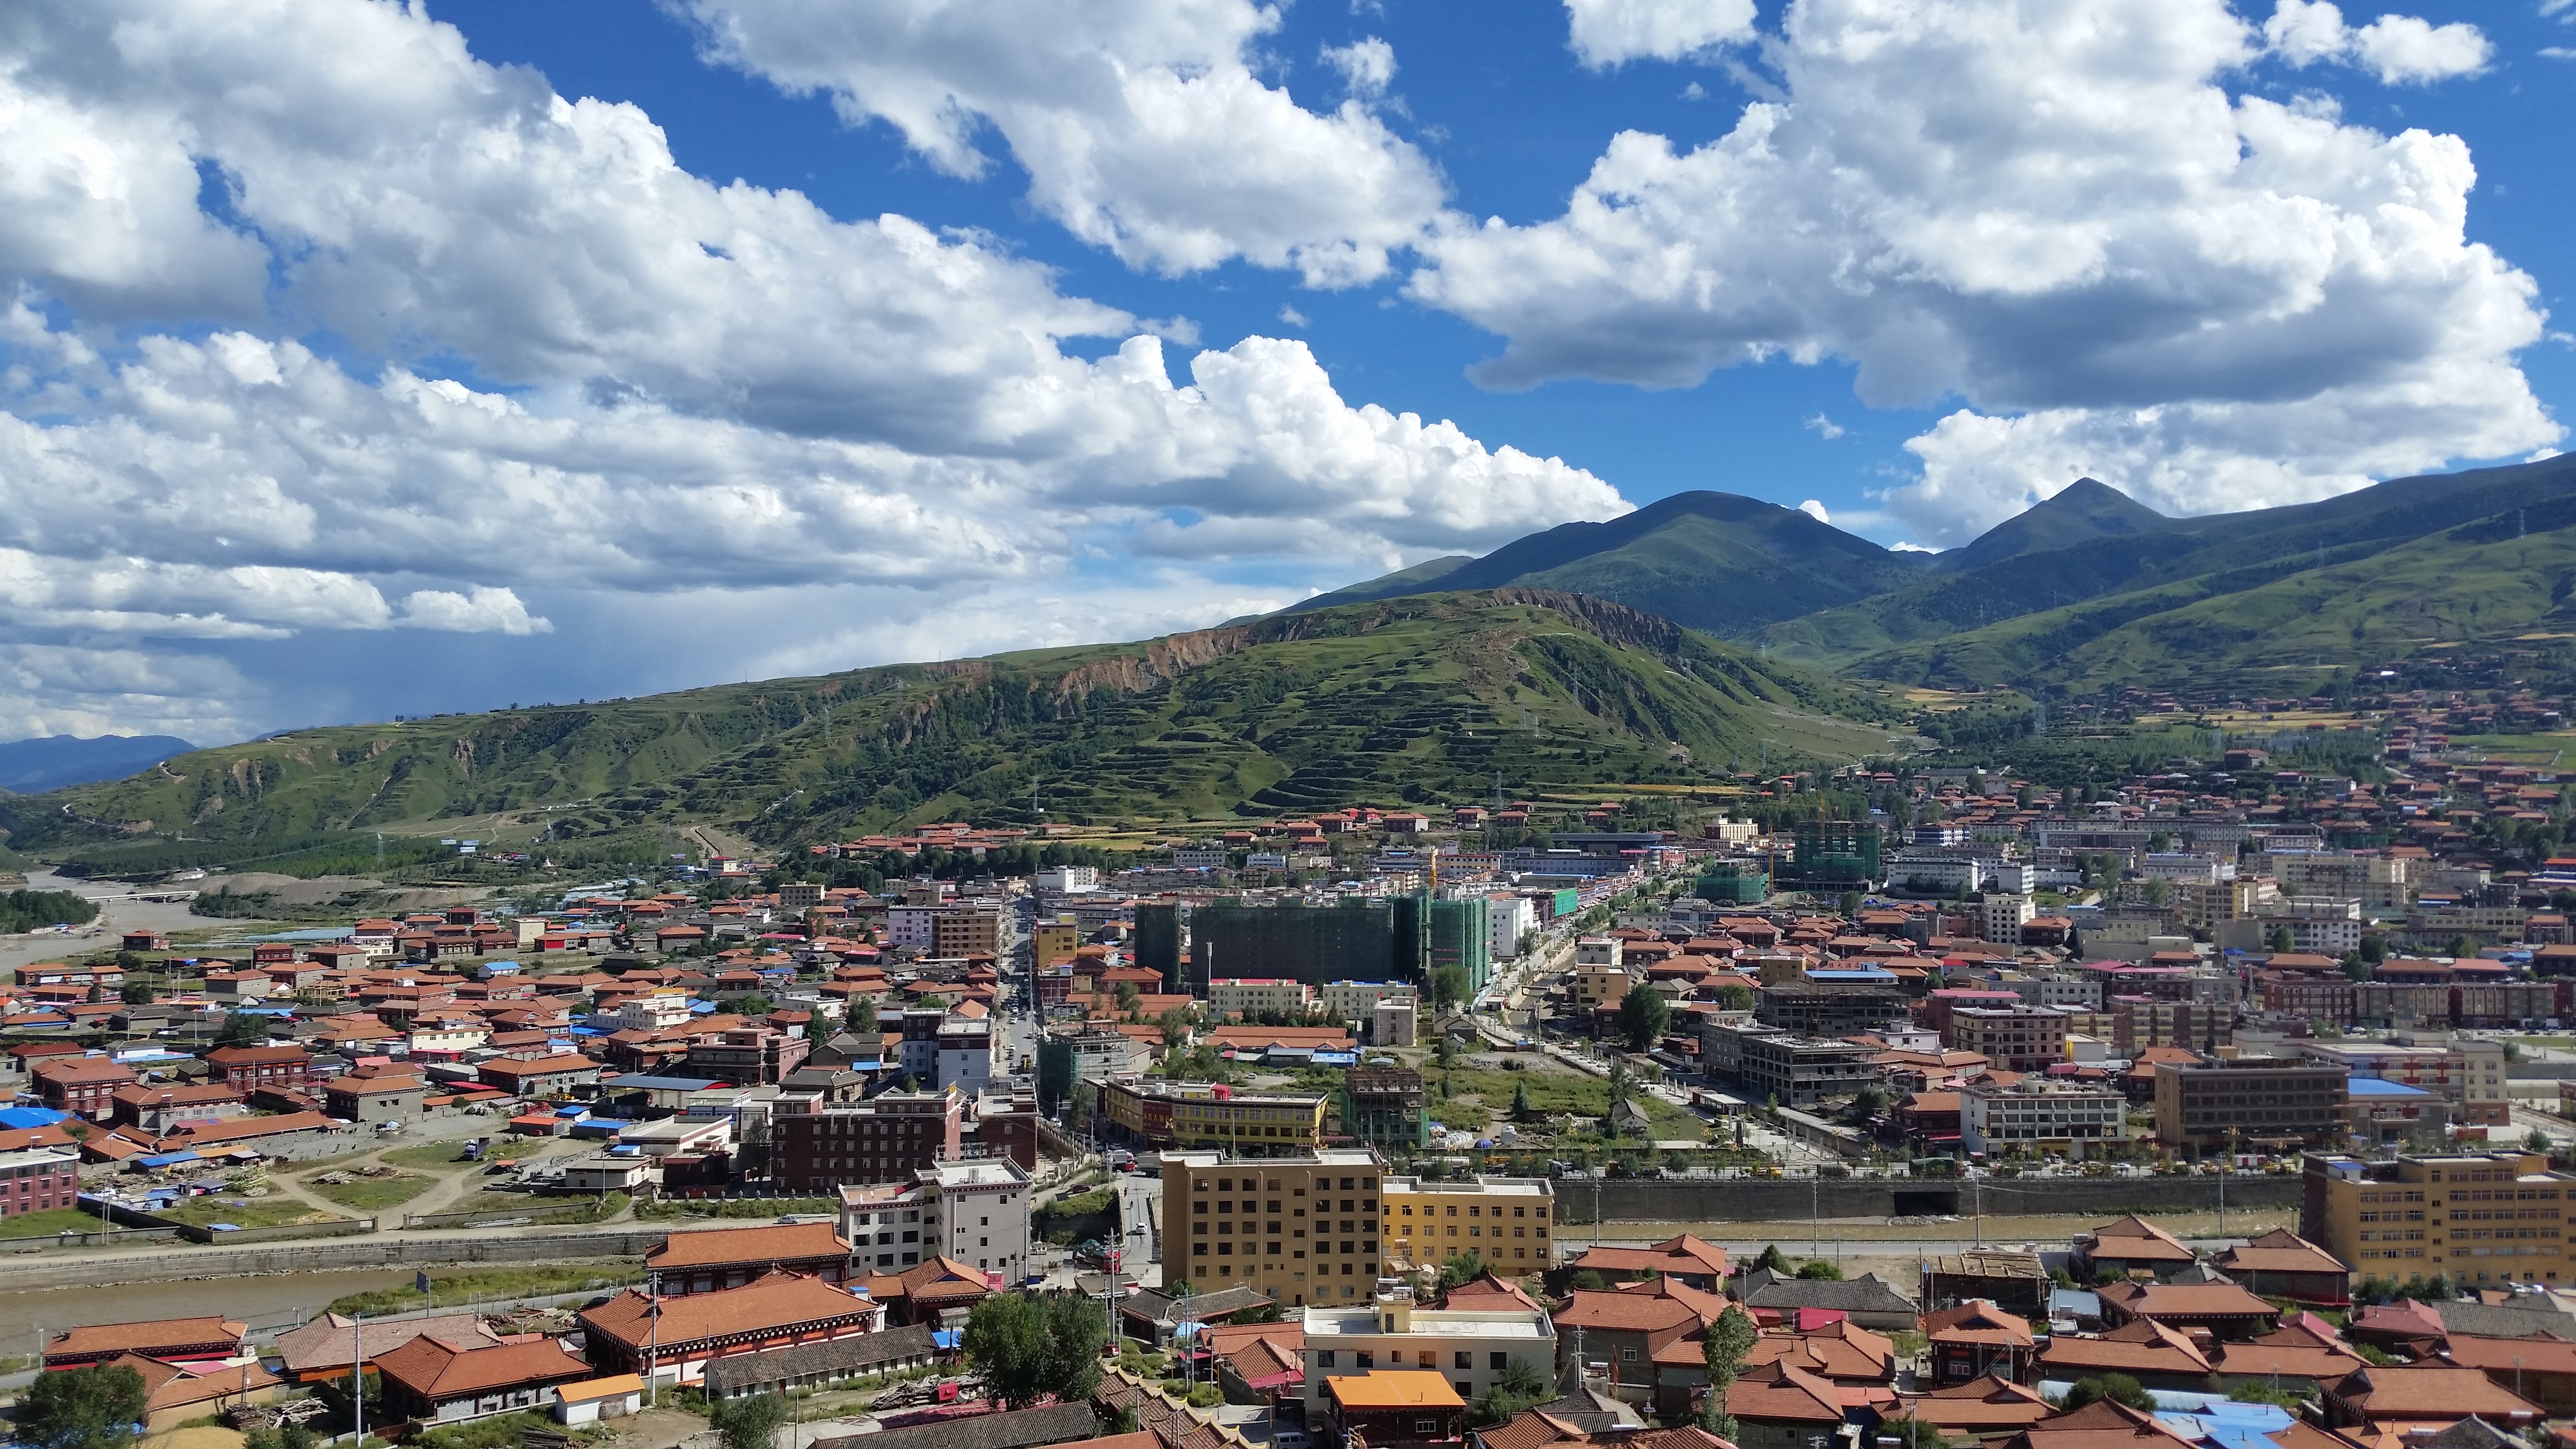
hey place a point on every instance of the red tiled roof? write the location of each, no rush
(2143, 1346)
(714, 1247)
(436, 1371)
(773, 1301)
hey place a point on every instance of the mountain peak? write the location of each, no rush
(2087, 508)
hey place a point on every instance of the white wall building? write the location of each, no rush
(1243, 995)
(2038, 1116)
(968, 1054)
(882, 1224)
(1470, 1347)
(912, 925)
(2000, 916)
(1507, 919)
(658, 1012)
(1068, 880)
(1355, 1000)
(980, 1214)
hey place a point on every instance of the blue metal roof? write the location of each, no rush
(661, 1084)
(2380, 1087)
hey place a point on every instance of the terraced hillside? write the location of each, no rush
(1422, 699)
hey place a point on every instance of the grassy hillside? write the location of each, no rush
(1420, 699)
(2280, 627)
(1712, 561)
(2023, 618)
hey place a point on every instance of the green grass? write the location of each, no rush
(48, 1223)
(491, 1285)
(452, 1154)
(1410, 698)
(275, 1210)
(1550, 1093)
(372, 1194)
(545, 1209)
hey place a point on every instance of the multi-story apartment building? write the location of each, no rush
(1251, 995)
(2139, 1022)
(979, 1214)
(2249, 1103)
(1472, 1348)
(2000, 916)
(2326, 925)
(1599, 986)
(1801, 1071)
(2036, 1115)
(820, 1146)
(969, 930)
(2466, 1072)
(1504, 1220)
(1358, 1000)
(1303, 1230)
(2382, 884)
(969, 1054)
(2487, 1218)
(1197, 1114)
(1821, 1009)
(2199, 905)
(2014, 1039)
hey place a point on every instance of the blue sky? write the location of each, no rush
(419, 380)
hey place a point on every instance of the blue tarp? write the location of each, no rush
(945, 1337)
(167, 1159)
(20, 1118)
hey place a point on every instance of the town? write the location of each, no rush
(1210, 1121)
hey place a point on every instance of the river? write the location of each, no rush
(267, 1304)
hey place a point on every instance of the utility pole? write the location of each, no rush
(357, 1381)
(653, 1340)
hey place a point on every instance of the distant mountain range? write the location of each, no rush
(31, 767)
(1697, 636)
(2087, 588)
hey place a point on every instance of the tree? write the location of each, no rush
(1449, 986)
(1772, 1259)
(1520, 1386)
(863, 1016)
(1819, 1270)
(1522, 1111)
(748, 1423)
(1913, 1433)
(1722, 1351)
(1076, 1329)
(135, 993)
(2119, 1388)
(1459, 1269)
(242, 1028)
(1128, 996)
(1644, 1015)
(2536, 1141)
(1006, 1341)
(1867, 1103)
(1623, 1086)
(2279, 939)
(1734, 996)
(82, 1408)
(1176, 1026)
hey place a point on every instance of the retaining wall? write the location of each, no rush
(1755, 1200)
(64, 1271)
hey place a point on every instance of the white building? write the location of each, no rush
(1395, 1022)
(1355, 1000)
(1198, 857)
(969, 1053)
(1507, 919)
(1470, 1347)
(913, 925)
(2000, 916)
(980, 1214)
(1246, 995)
(2326, 925)
(1068, 880)
(657, 1012)
(2037, 1116)
(1597, 951)
(882, 1224)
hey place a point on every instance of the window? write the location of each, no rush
(1497, 1362)
(1466, 1360)
(1324, 1358)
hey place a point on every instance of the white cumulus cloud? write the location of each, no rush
(1142, 126)
(680, 386)
(2060, 215)
(2399, 49)
(1606, 32)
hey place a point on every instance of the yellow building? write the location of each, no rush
(1248, 996)
(2488, 1218)
(1504, 1220)
(1056, 941)
(1201, 1114)
(1301, 1229)
(1599, 986)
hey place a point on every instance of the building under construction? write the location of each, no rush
(1394, 938)
(1386, 1107)
(1834, 855)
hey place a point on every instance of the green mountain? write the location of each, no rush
(1422, 699)
(2081, 512)
(1712, 561)
(1422, 578)
(2198, 595)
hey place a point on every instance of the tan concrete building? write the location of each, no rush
(2484, 1219)
(1249, 995)
(2249, 1103)
(1302, 1229)
(1504, 1220)
(2466, 1072)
